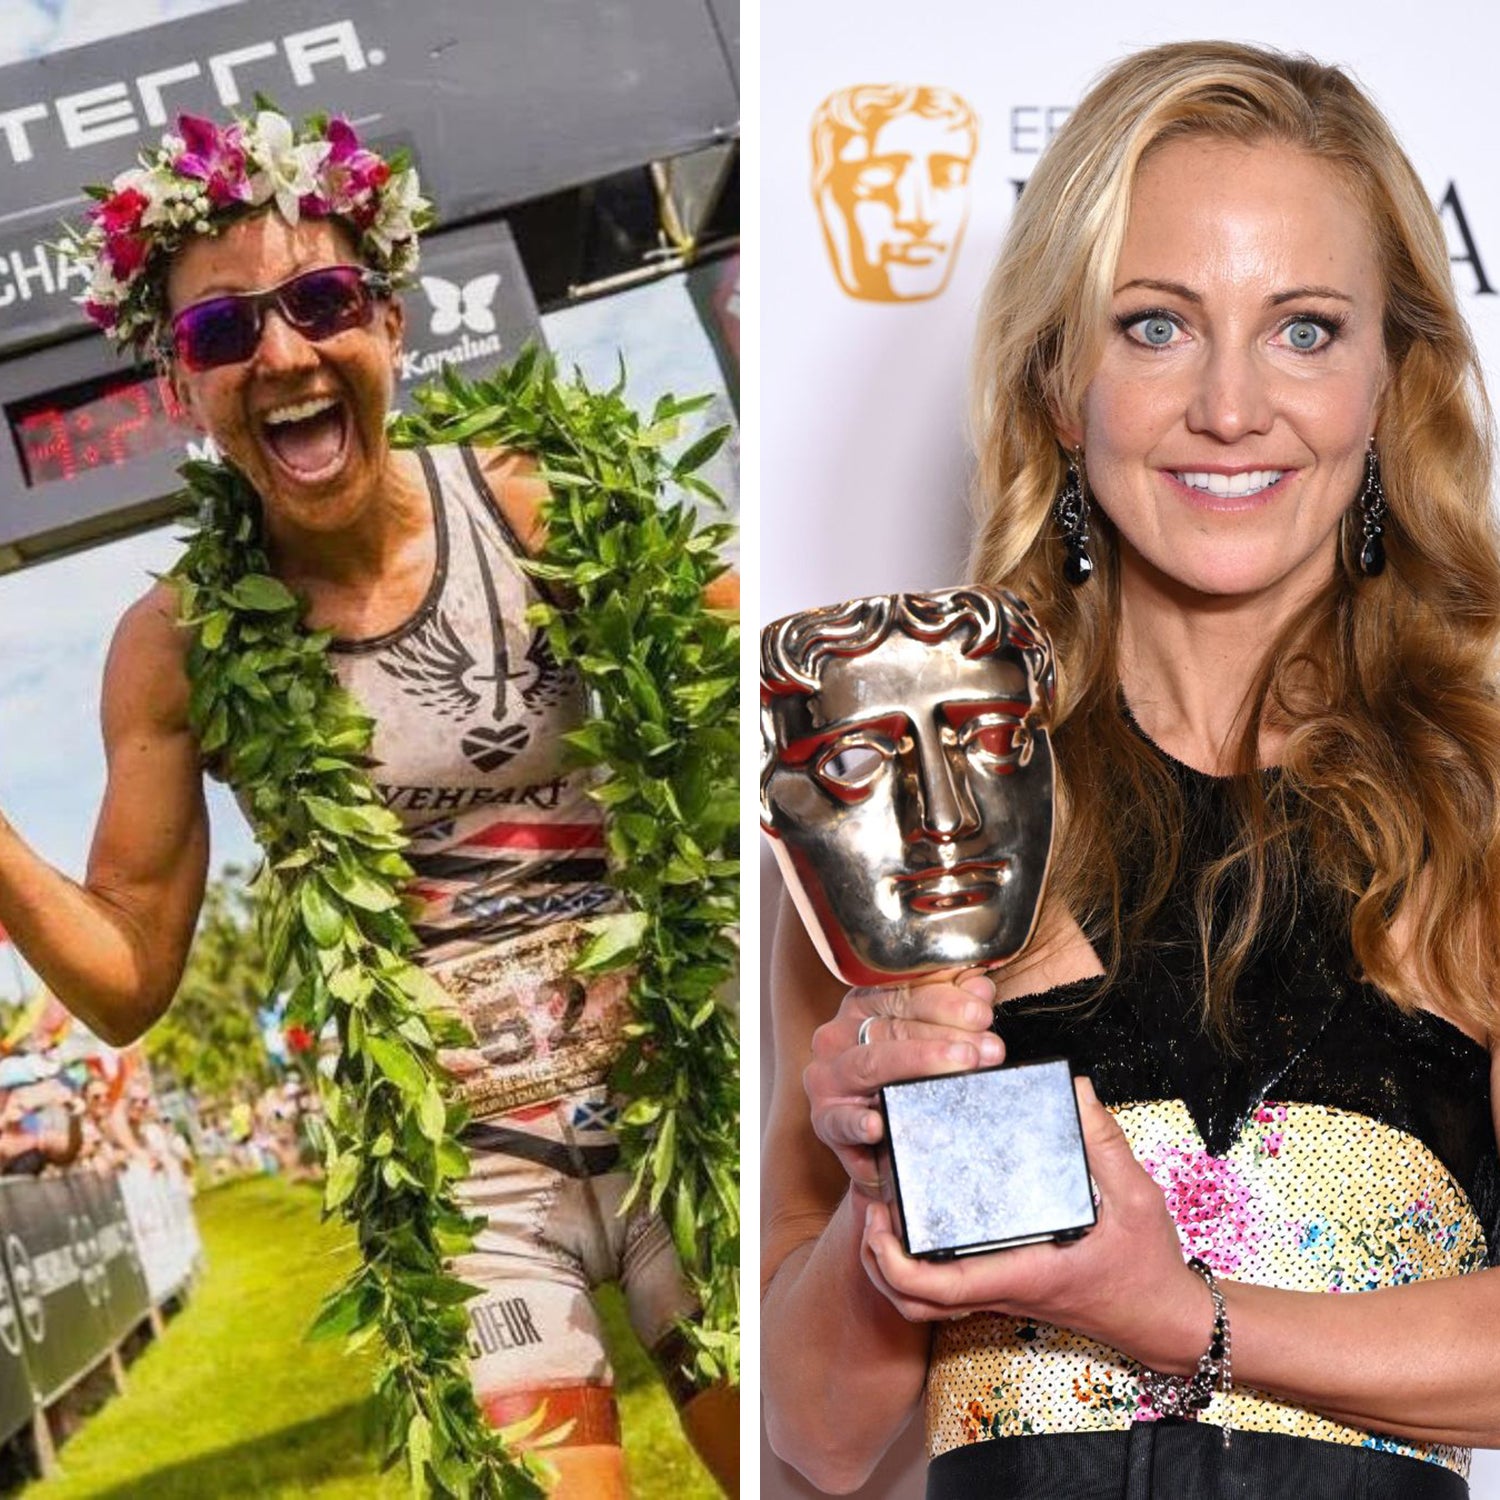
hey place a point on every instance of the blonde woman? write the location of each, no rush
(1234, 450)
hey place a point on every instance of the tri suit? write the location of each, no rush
(508, 852)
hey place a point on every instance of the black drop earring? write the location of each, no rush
(1071, 512)
(1372, 518)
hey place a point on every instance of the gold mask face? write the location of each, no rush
(907, 777)
(891, 166)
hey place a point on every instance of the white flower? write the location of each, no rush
(287, 171)
(183, 211)
(135, 177)
(163, 188)
(261, 188)
(400, 202)
(104, 286)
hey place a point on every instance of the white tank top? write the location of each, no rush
(469, 705)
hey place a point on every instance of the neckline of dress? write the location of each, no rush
(1434, 1021)
(1267, 773)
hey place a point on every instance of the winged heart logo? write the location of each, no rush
(466, 306)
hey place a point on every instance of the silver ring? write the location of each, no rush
(864, 1030)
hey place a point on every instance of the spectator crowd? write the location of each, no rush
(69, 1103)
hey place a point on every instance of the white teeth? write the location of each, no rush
(299, 411)
(1235, 485)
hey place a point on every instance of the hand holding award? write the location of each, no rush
(907, 788)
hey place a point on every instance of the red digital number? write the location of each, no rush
(128, 411)
(49, 449)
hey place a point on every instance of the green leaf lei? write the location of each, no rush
(661, 670)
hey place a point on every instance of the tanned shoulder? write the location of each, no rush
(515, 481)
(145, 676)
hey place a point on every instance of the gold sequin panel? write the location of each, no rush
(1310, 1199)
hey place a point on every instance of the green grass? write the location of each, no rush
(232, 1403)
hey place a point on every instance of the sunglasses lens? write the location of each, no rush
(318, 304)
(221, 331)
(324, 302)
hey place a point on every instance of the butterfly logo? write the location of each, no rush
(466, 306)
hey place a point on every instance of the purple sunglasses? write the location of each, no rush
(318, 304)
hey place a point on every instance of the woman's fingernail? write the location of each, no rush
(989, 1047)
(978, 984)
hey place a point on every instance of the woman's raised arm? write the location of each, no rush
(112, 946)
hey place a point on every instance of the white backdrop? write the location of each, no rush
(863, 464)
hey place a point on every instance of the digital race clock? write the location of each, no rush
(99, 423)
(91, 451)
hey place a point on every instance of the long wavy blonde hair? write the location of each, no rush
(1386, 685)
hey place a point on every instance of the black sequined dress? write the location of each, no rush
(1345, 1146)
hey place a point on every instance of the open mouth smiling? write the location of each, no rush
(1218, 488)
(308, 439)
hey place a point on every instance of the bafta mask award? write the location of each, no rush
(907, 790)
(906, 781)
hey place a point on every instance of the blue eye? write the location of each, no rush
(1156, 331)
(1306, 335)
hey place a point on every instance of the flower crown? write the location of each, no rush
(204, 175)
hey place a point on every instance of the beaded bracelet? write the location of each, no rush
(1187, 1395)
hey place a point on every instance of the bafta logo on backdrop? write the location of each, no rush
(890, 179)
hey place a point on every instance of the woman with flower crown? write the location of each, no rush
(259, 264)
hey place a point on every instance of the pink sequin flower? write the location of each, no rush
(1272, 1137)
(1216, 1214)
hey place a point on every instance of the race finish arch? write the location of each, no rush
(572, 151)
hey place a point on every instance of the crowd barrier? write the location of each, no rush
(85, 1259)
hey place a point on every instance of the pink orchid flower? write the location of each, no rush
(342, 140)
(215, 157)
(352, 173)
